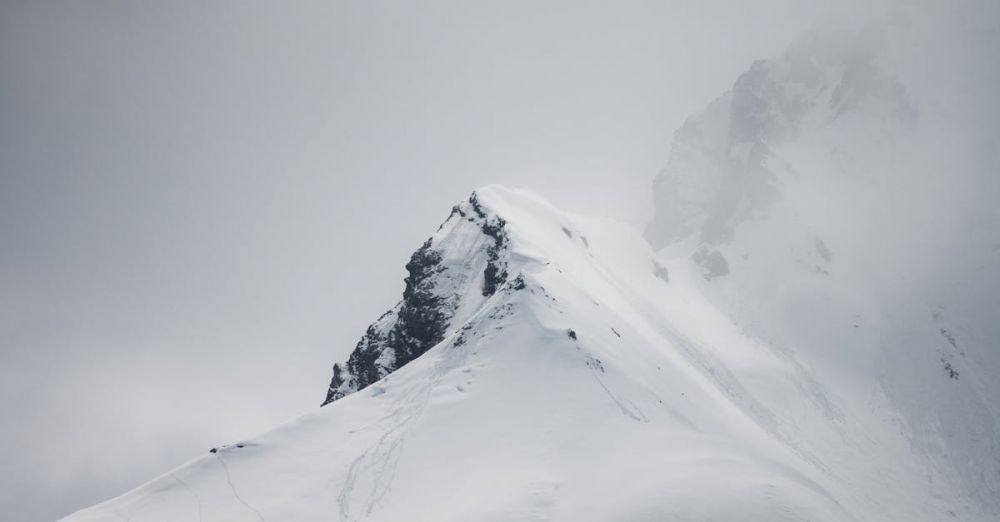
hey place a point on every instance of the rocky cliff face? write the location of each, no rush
(465, 261)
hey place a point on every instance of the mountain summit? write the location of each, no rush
(539, 367)
(450, 277)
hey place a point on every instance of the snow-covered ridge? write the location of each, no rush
(591, 385)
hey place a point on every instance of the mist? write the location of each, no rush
(203, 206)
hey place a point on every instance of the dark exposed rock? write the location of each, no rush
(415, 325)
(713, 264)
(823, 250)
(421, 320)
(661, 271)
(949, 369)
(496, 269)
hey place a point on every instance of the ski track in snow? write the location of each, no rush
(627, 408)
(229, 480)
(379, 462)
(197, 499)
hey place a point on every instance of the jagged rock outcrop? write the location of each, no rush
(465, 261)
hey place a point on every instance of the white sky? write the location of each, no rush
(202, 207)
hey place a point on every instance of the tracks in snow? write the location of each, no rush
(229, 480)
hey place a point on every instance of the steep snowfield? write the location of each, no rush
(591, 385)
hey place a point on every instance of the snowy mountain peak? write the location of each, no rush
(585, 383)
(475, 252)
(451, 277)
(456, 269)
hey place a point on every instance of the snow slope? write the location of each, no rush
(590, 385)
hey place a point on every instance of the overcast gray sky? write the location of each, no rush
(203, 205)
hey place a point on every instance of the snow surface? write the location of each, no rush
(598, 391)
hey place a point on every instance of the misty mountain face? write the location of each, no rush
(723, 167)
(451, 274)
(833, 205)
